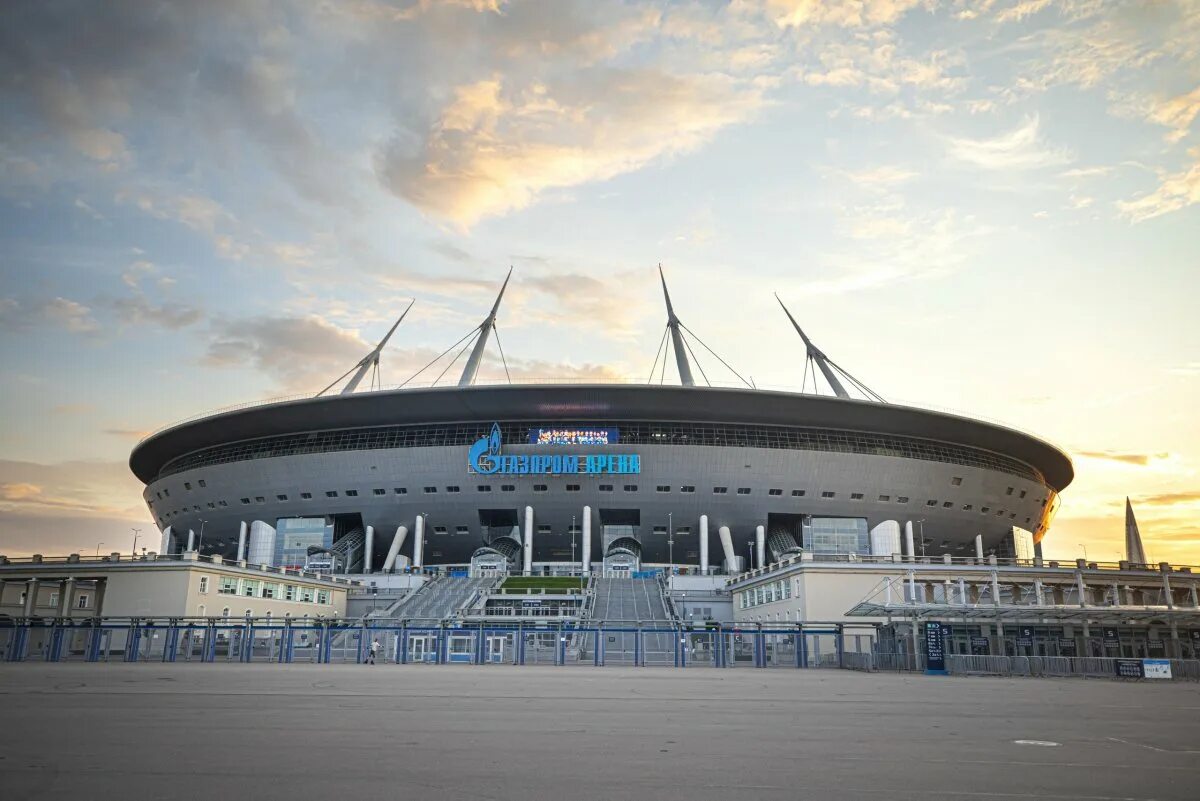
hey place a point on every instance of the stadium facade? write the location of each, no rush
(614, 477)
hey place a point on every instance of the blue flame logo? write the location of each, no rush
(482, 456)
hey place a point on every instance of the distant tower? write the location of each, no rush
(1134, 551)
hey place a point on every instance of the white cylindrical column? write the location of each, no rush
(979, 547)
(419, 543)
(727, 546)
(262, 544)
(191, 539)
(909, 550)
(528, 540)
(760, 546)
(165, 547)
(369, 550)
(587, 539)
(704, 544)
(242, 531)
(389, 561)
(885, 538)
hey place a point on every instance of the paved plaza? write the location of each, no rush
(264, 732)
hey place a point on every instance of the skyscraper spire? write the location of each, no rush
(1134, 551)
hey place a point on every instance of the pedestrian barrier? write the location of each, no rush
(1084, 666)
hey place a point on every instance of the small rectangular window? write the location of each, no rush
(572, 488)
(543, 530)
(956, 481)
(462, 530)
(351, 493)
(884, 498)
(439, 529)
(452, 488)
(378, 491)
(631, 487)
(508, 488)
(212, 505)
(1009, 491)
(856, 496)
(967, 507)
(606, 488)
(167, 493)
(720, 490)
(259, 499)
(246, 501)
(307, 496)
(687, 488)
(947, 504)
(203, 483)
(1022, 493)
(983, 510)
(81, 602)
(289, 592)
(322, 597)
(743, 491)
(430, 490)
(828, 494)
(901, 499)
(540, 487)
(400, 490)
(797, 493)
(204, 585)
(774, 492)
(281, 497)
(1012, 516)
(484, 488)
(931, 503)
(663, 488)
(330, 493)
(187, 485)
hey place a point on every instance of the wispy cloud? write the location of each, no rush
(1020, 149)
(1136, 459)
(1175, 191)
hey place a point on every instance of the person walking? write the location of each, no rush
(374, 649)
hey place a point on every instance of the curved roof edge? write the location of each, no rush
(579, 402)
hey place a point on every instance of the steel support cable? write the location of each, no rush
(715, 354)
(699, 366)
(457, 356)
(861, 386)
(657, 352)
(471, 333)
(339, 378)
(503, 360)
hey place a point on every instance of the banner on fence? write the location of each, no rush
(1156, 668)
(1129, 668)
(980, 646)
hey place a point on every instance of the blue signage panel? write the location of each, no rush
(935, 648)
(574, 436)
(485, 457)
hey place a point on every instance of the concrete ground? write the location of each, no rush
(296, 732)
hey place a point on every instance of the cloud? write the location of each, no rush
(1189, 369)
(1175, 191)
(302, 353)
(1176, 113)
(1137, 459)
(1020, 149)
(138, 310)
(1169, 499)
(70, 315)
(497, 147)
(128, 433)
(843, 13)
(72, 489)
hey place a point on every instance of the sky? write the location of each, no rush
(990, 206)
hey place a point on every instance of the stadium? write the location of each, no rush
(561, 477)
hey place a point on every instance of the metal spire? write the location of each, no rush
(816, 355)
(829, 368)
(1134, 551)
(371, 360)
(681, 359)
(485, 328)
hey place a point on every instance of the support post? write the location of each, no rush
(760, 546)
(419, 543)
(191, 540)
(65, 595)
(369, 550)
(587, 540)
(528, 547)
(704, 544)
(393, 553)
(241, 552)
(908, 541)
(979, 547)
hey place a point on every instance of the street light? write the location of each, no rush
(573, 545)
(200, 542)
(137, 532)
(1084, 547)
(98, 544)
(921, 523)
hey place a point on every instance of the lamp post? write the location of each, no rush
(573, 545)
(921, 523)
(200, 542)
(137, 532)
(98, 544)
(1084, 547)
(670, 543)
